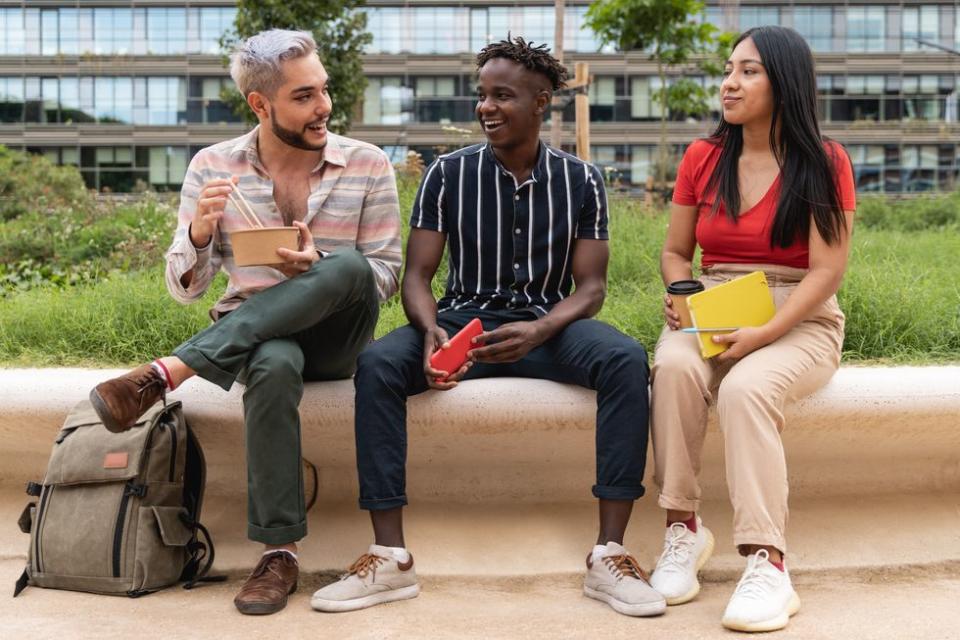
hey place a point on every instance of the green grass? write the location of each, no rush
(901, 296)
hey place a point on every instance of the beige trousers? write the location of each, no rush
(750, 396)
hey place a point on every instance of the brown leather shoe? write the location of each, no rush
(121, 401)
(267, 588)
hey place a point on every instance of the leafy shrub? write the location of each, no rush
(34, 183)
(933, 212)
(71, 245)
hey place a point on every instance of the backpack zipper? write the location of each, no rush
(172, 428)
(131, 488)
(44, 499)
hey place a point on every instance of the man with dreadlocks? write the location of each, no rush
(524, 223)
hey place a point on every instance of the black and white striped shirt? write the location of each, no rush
(510, 245)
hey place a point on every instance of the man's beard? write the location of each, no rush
(291, 137)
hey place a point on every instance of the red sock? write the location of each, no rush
(691, 523)
(778, 565)
(162, 368)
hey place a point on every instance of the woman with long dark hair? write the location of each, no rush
(765, 192)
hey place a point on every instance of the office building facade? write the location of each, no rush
(128, 91)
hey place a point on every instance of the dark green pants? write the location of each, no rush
(311, 327)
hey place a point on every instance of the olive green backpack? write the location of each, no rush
(118, 513)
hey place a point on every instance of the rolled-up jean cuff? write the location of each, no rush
(678, 504)
(277, 535)
(382, 504)
(194, 358)
(618, 493)
(760, 538)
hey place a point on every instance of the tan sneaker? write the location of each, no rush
(376, 577)
(121, 401)
(617, 579)
(266, 589)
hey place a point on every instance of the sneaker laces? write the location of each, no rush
(677, 548)
(756, 583)
(365, 564)
(626, 565)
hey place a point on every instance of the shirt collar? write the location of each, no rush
(246, 146)
(538, 169)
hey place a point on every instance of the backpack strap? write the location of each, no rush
(199, 553)
(21, 584)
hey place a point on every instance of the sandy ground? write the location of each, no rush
(906, 603)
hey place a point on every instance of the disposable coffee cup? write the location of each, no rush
(679, 291)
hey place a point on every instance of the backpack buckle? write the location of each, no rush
(138, 490)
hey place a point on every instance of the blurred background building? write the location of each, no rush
(128, 91)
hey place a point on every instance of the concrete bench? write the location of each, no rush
(505, 466)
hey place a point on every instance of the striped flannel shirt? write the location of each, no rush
(353, 203)
(510, 245)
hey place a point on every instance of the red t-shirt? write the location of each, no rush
(747, 240)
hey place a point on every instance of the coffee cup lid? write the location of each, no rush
(684, 287)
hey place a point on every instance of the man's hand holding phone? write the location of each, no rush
(445, 360)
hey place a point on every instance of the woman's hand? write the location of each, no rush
(671, 316)
(742, 342)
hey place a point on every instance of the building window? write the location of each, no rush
(642, 160)
(644, 101)
(204, 103)
(167, 167)
(603, 99)
(866, 28)
(815, 24)
(868, 161)
(919, 164)
(11, 99)
(112, 32)
(11, 32)
(436, 100)
(449, 30)
(920, 23)
(387, 101)
(758, 17)
(921, 100)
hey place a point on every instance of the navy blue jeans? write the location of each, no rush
(588, 353)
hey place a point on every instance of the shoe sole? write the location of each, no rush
(702, 560)
(772, 624)
(263, 608)
(104, 413)
(640, 610)
(336, 606)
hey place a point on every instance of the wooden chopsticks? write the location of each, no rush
(240, 202)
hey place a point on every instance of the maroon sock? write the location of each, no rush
(691, 523)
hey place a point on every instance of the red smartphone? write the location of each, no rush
(450, 360)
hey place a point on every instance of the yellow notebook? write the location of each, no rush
(742, 302)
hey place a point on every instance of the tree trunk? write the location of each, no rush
(661, 171)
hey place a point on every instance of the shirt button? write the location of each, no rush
(517, 231)
(516, 265)
(516, 197)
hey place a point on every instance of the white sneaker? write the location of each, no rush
(615, 578)
(376, 577)
(764, 599)
(684, 554)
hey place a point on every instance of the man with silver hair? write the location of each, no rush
(308, 316)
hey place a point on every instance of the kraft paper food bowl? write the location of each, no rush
(258, 247)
